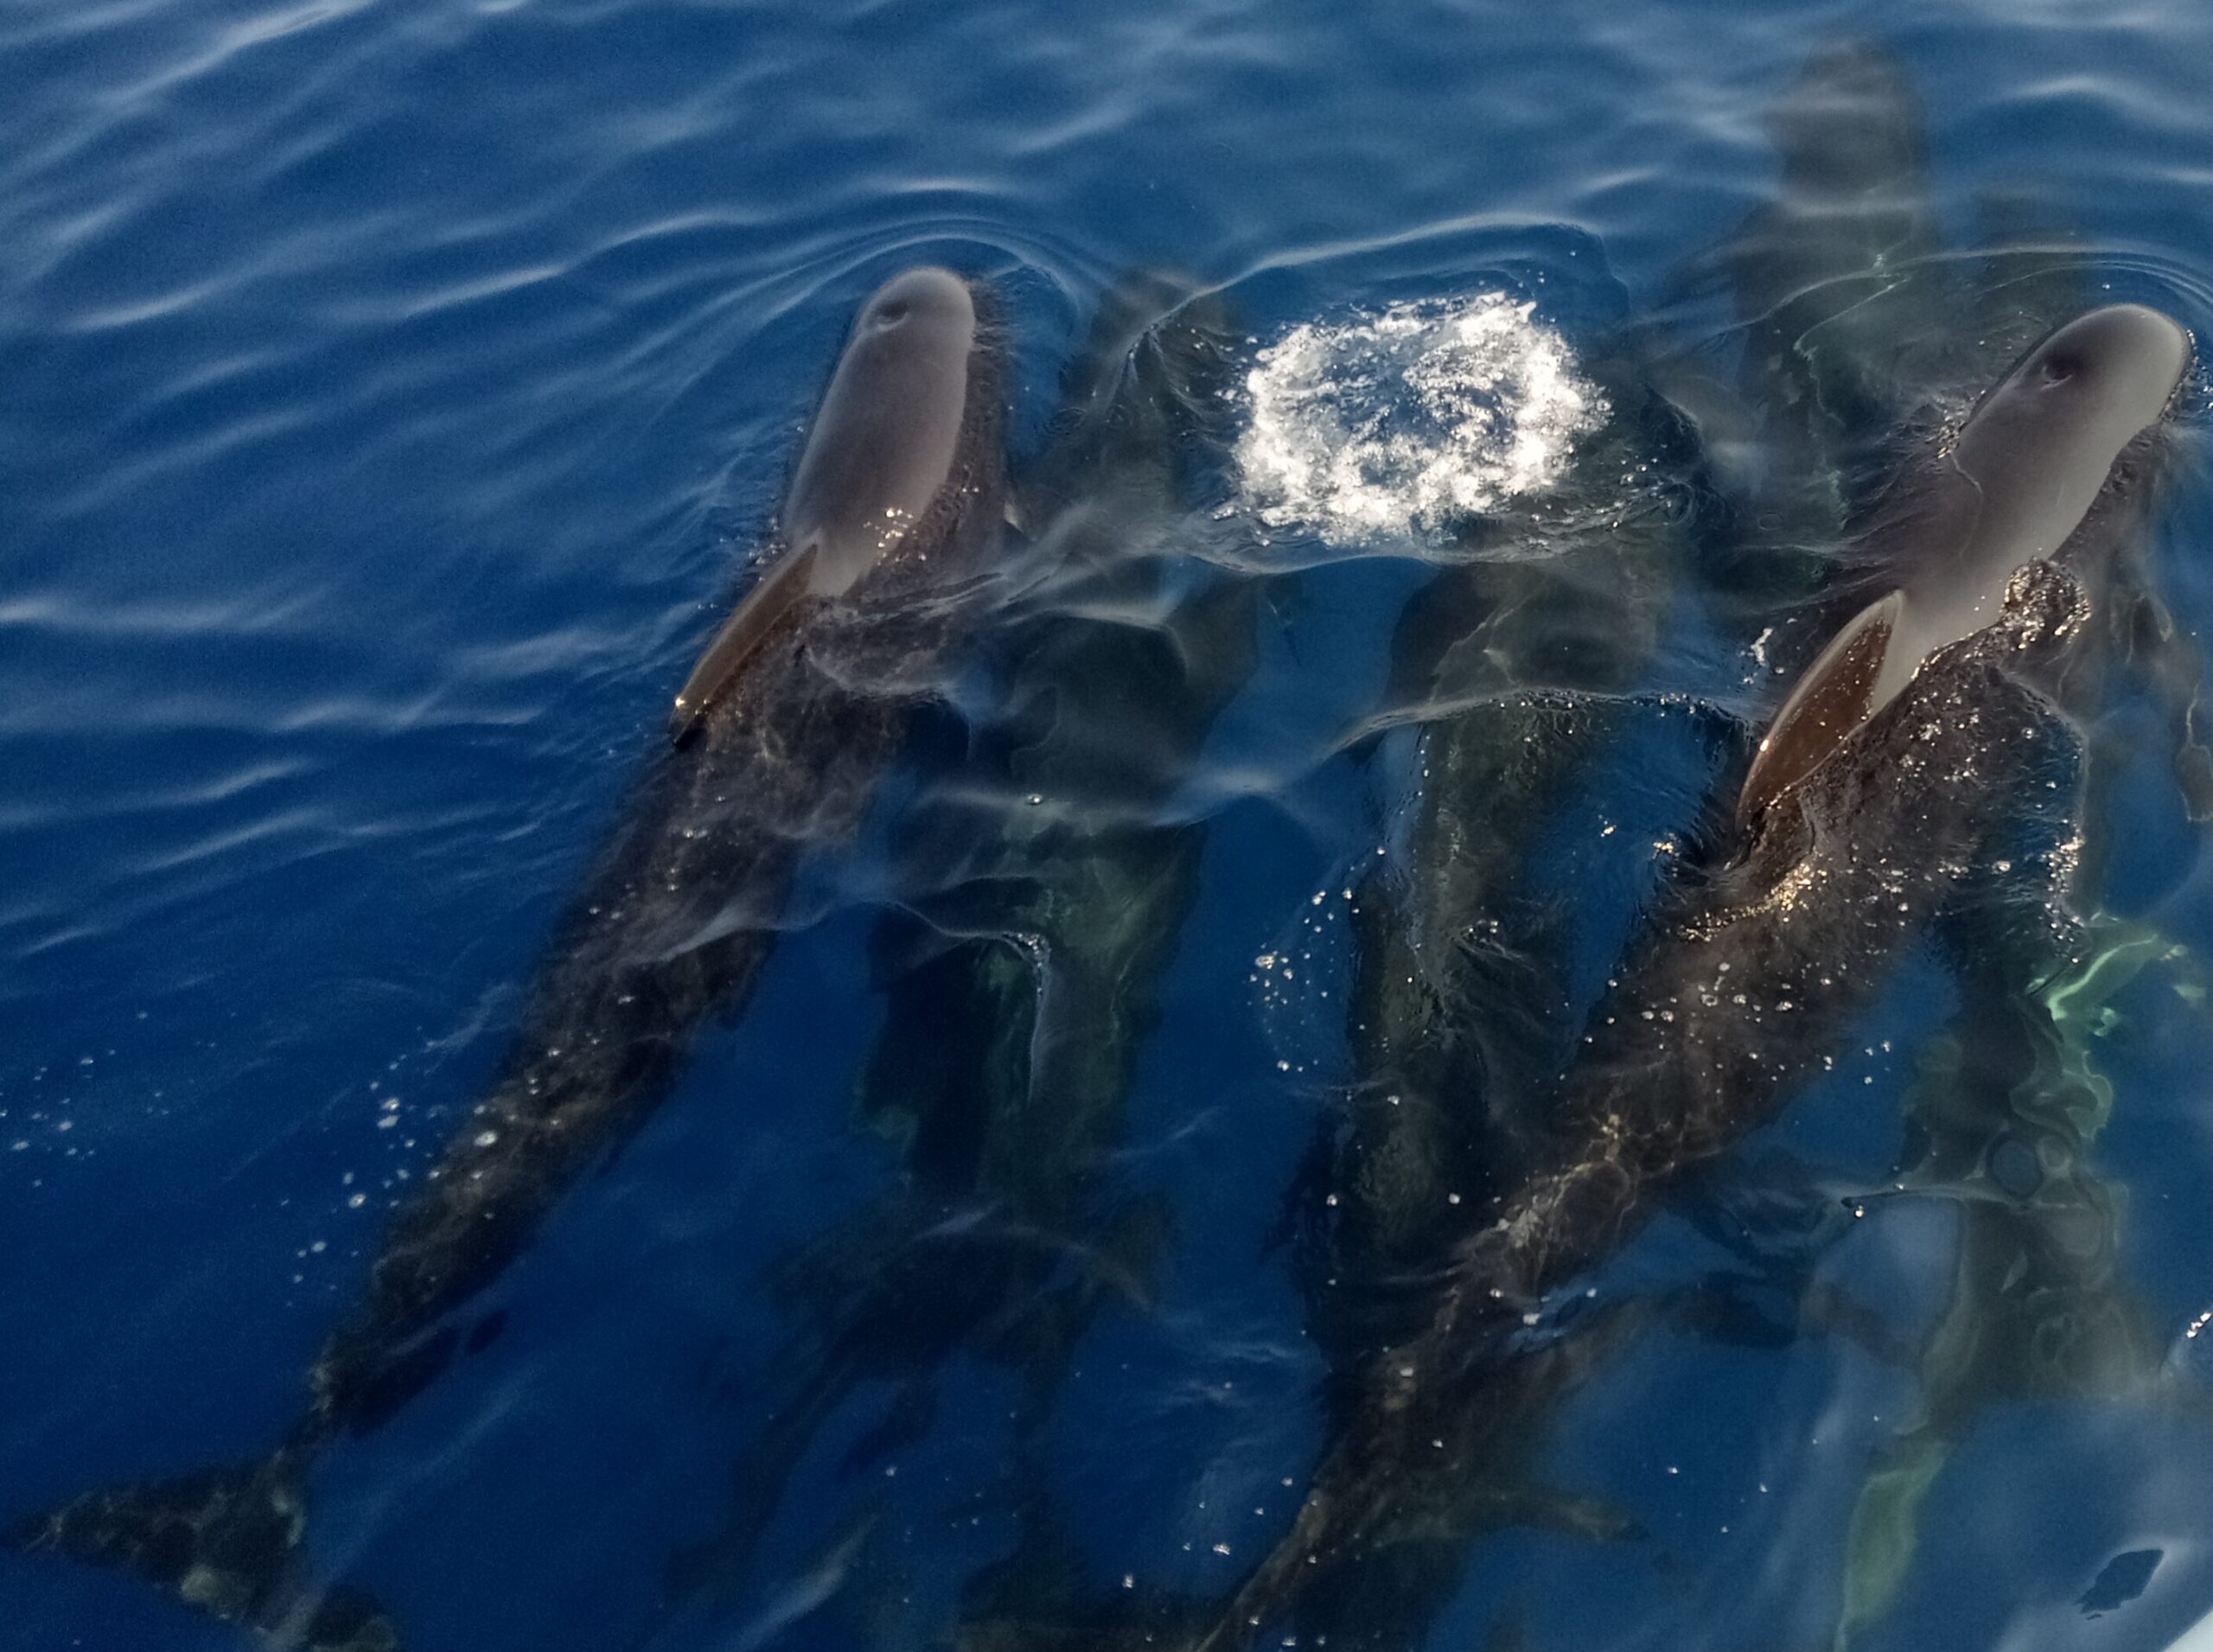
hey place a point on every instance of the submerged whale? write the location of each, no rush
(1921, 730)
(1042, 895)
(1519, 670)
(795, 711)
(1840, 278)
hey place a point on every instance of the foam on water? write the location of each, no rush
(1412, 419)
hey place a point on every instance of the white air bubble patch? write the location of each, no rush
(1410, 421)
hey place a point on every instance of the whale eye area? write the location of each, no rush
(891, 312)
(2060, 366)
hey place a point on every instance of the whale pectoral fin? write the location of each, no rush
(755, 614)
(716, 1568)
(1302, 1215)
(1835, 695)
(1738, 1312)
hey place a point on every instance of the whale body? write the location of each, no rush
(1868, 805)
(1040, 901)
(797, 707)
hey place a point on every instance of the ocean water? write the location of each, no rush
(391, 397)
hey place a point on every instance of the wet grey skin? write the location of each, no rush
(883, 446)
(2003, 1117)
(2037, 1310)
(791, 719)
(1870, 804)
(1862, 331)
(1512, 671)
(2024, 471)
(1459, 1006)
(1863, 336)
(1042, 899)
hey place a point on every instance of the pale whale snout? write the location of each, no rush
(883, 446)
(884, 440)
(2022, 477)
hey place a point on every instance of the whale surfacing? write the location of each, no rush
(2020, 481)
(1921, 732)
(791, 717)
(875, 468)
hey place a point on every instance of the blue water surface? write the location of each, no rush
(390, 393)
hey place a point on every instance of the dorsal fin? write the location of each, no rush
(1832, 699)
(741, 633)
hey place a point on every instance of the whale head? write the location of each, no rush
(879, 457)
(2042, 452)
(885, 440)
(2040, 444)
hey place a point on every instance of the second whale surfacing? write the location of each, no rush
(795, 709)
(1919, 733)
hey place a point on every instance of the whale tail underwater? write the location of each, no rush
(796, 707)
(225, 1541)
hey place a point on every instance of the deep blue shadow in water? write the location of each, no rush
(389, 395)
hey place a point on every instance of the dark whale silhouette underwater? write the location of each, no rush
(1991, 572)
